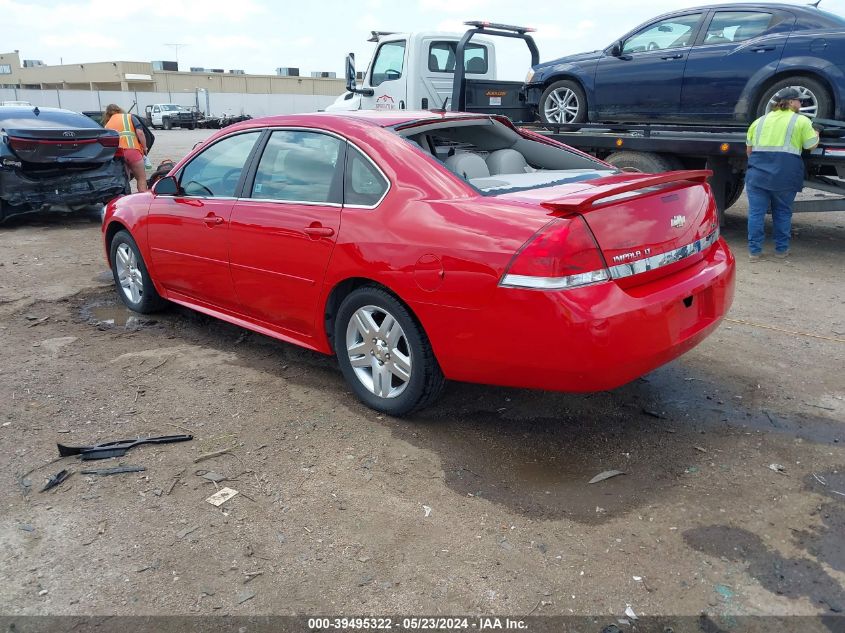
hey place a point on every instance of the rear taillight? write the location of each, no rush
(109, 141)
(563, 254)
(22, 144)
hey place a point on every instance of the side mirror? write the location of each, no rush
(616, 49)
(167, 186)
(351, 85)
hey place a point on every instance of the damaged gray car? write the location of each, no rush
(56, 158)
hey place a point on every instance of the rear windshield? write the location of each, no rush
(833, 18)
(494, 159)
(46, 118)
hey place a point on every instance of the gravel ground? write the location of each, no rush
(477, 505)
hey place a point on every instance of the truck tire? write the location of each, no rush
(166, 123)
(191, 126)
(563, 102)
(645, 162)
(816, 101)
(735, 189)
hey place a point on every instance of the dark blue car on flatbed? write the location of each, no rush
(719, 63)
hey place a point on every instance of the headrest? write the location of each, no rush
(507, 161)
(468, 165)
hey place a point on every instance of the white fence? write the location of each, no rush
(216, 103)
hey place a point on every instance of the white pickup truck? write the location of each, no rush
(169, 115)
(416, 71)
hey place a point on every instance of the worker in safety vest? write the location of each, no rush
(775, 170)
(133, 143)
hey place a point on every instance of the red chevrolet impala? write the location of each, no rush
(420, 246)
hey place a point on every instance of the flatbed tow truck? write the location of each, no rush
(646, 147)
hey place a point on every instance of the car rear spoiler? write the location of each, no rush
(582, 201)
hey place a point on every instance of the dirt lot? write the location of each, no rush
(477, 505)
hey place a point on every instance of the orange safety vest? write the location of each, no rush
(122, 124)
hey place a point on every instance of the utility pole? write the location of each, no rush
(176, 51)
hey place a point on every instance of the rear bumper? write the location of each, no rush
(23, 193)
(582, 340)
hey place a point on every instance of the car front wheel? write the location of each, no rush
(131, 278)
(563, 102)
(384, 353)
(816, 101)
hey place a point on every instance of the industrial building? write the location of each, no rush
(160, 77)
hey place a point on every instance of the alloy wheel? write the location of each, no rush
(561, 106)
(128, 273)
(378, 351)
(809, 101)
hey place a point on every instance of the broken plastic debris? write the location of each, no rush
(221, 496)
(427, 510)
(607, 474)
(629, 613)
(778, 468)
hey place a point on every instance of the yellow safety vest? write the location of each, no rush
(122, 124)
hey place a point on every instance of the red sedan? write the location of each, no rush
(420, 246)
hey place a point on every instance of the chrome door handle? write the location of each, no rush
(678, 56)
(212, 220)
(763, 49)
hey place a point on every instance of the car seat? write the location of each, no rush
(507, 161)
(476, 65)
(467, 165)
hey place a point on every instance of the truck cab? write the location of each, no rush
(415, 71)
(435, 70)
(169, 115)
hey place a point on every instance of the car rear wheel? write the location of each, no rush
(384, 353)
(816, 101)
(563, 102)
(133, 282)
(167, 124)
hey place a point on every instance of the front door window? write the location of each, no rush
(676, 32)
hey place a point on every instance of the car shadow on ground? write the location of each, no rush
(531, 451)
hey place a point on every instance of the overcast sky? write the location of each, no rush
(258, 36)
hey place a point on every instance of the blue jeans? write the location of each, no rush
(759, 202)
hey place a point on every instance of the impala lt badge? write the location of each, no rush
(626, 257)
(678, 221)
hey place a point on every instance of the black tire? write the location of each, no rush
(149, 299)
(573, 94)
(167, 124)
(426, 380)
(735, 189)
(191, 126)
(824, 102)
(645, 162)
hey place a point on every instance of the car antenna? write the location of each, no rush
(815, 4)
(36, 111)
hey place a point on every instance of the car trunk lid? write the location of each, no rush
(62, 145)
(645, 225)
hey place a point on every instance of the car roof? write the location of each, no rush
(797, 8)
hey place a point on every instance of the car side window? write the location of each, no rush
(736, 26)
(299, 166)
(363, 184)
(441, 58)
(672, 32)
(389, 62)
(156, 109)
(215, 172)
